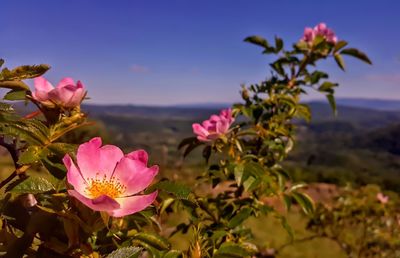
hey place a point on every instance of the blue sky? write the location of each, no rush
(181, 51)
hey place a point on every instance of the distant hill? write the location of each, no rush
(378, 104)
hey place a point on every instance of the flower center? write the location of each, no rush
(104, 186)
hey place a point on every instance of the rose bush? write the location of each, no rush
(90, 200)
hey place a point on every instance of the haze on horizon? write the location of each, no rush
(179, 52)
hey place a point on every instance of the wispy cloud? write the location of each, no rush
(389, 78)
(136, 68)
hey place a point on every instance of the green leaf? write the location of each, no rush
(250, 183)
(241, 216)
(15, 95)
(229, 249)
(173, 254)
(24, 72)
(327, 87)
(332, 103)
(257, 40)
(357, 54)
(152, 240)
(304, 201)
(30, 155)
(55, 166)
(278, 44)
(179, 190)
(340, 62)
(126, 252)
(33, 185)
(303, 111)
(61, 148)
(339, 45)
(238, 172)
(14, 85)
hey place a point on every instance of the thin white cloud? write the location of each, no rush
(136, 68)
(388, 78)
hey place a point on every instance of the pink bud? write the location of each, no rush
(67, 94)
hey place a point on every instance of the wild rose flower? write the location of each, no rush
(319, 30)
(67, 94)
(106, 180)
(214, 127)
(382, 198)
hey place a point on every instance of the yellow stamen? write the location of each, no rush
(104, 186)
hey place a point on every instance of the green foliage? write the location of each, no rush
(244, 169)
(125, 252)
(33, 185)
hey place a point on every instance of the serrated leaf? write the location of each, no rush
(178, 190)
(357, 54)
(33, 185)
(126, 252)
(24, 72)
(30, 155)
(152, 240)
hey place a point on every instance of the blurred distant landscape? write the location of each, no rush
(361, 145)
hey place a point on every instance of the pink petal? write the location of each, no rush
(40, 95)
(87, 155)
(65, 82)
(95, 161)
(101, 203)
(41, 84)
(61, 96)
(199, 130)
(203, 139)
(134, 175)
(74, 176)
(222, 126)
(133, 204)
(140, 155)
(76, 98)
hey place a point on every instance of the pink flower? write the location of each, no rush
(106, 180)
(319, 30)
(214, 127)
(66, 94)
(382, 198)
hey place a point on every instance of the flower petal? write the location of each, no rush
(74, 176)
(134, 175)
(140, 155)
(87, 156)
(101, 203)
(199, 130)
(41, 84)
(133, 204)
(65, 81)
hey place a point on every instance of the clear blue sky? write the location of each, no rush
(170, 51)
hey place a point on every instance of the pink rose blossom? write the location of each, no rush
(66, 94)
(214, 127)
(319, 30)
(107, 180)
(382, 198)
